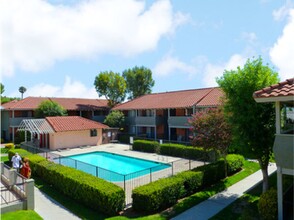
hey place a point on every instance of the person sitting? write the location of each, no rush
(16, 162)
(26, 169)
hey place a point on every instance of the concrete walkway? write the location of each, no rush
(216, 203)
(49, 209)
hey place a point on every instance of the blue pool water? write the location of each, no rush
(112, 167)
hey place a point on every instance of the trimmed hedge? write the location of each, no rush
(146, 146)
(85, 188)
(234, 163)
(188, 152)
(165, 192)
(158, 195)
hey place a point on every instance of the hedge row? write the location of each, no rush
(175, 150)
(96, 193)
(165, 192)
(146, 146)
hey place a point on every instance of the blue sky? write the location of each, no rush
(56, 48)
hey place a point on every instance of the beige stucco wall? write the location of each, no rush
(70, 139)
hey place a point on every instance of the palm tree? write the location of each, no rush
(22, 90)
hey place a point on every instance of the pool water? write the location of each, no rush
(112, 167)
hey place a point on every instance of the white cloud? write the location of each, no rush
(169, 65)
(283, 12)
(250, 37)
(212, 71)
(281, 53)
(70, 89)
(35, 34)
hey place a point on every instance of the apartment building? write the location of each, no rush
(165, 115)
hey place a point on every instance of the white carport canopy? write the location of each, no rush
(35, 126)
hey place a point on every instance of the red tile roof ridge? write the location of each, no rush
(276, 89)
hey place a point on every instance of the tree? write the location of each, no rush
(252, 123)
(115, 119)
(22, 90)
(211, 131)
(139, 81)
(1, 89)
(112, 86)
(49, 108)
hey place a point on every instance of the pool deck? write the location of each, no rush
(122, 149)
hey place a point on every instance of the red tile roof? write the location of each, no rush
(176, 99)
(281, 89)
(31, 103)
(73, 123)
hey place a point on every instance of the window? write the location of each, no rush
(93, 132)
(287, 118)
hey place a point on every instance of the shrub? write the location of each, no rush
(85, 188)
(146, 146)
(268, 205)
(212, 172)
(188, 152)
(192, 181)
(158, 195)
(234, 163)
(9, 145)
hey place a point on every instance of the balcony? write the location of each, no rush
(284, 150)
(14, 122)
(144, 120)
(179, 121)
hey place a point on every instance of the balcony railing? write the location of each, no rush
(179, 121)
(16, 121)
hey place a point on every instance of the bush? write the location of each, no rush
(123, 138)
(158, 195)
(234, 163)
(212, 172)
(9, 145)
(146, 146)
(188, 152)
(96, 193)
(268, 205)
(22, 153)
(192, 181)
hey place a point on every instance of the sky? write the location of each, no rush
(56, 48)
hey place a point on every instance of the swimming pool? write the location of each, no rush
(112, 167)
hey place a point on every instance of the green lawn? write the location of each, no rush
(246, 206)
(21, 215)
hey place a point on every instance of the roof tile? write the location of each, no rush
(73, 123)
(66, 103)
(285, 88)
(175, 99)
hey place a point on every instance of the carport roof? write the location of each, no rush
(35, 126)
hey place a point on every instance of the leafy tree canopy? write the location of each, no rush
(252, 123)
(115, 119)
(139, 81)
(211, 130)
(112, 86)
(49, 108)
(22, 90)
(1, 89)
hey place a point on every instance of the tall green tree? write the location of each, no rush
(253, 123)
(139, 81)
(1, 89)
(22, 90)
(115, 119)
(112, 86)
(49, 108)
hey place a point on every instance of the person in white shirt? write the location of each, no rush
(16, 161)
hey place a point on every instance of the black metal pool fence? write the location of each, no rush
(128, 182)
